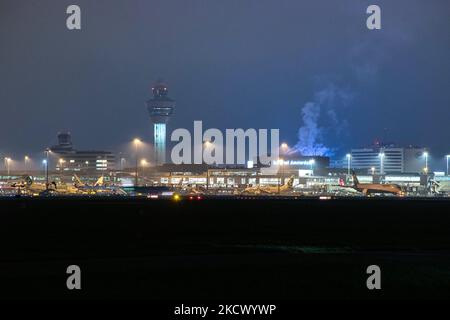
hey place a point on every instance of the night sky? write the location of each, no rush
(233, 63)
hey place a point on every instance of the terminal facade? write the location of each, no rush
(72, 160)
(389, 159)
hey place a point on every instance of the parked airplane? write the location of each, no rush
(342, 188)
(193, 190)
(367, 188)
(189, 189)
(79, 184)
(28, 186)
(259, 189)
(33, 188)
(441, 187)
(98, 187)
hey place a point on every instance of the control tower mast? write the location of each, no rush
(160, 108)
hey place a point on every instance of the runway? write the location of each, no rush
(220, 248)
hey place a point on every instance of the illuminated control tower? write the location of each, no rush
(160, 108)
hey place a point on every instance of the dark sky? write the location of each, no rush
(233, 63)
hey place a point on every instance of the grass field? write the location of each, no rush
(225, 249)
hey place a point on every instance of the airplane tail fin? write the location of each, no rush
(355, 178)
(77, 180)
(290, 182)
(28, 181)
(435, 186)
(99, 182)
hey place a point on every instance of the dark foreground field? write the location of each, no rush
(224, 249)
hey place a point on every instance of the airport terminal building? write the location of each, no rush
(389, 159)
(69, 159)
(397, 165)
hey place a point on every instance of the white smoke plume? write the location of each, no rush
(320, 117)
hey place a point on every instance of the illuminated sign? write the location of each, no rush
(294, 162)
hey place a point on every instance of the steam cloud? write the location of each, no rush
(324, 109)
(323, 116)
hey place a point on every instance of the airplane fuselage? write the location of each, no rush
(367, 188)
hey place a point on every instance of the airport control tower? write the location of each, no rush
(160, 108)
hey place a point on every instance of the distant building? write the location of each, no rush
(160, 108)
(70, 159)
(413, 159)
(296, 164)
(389, 159)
